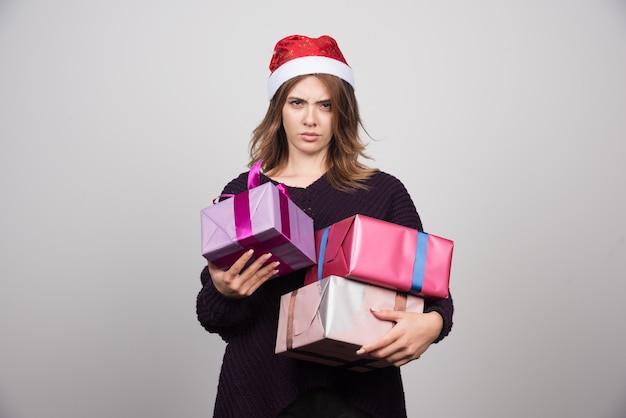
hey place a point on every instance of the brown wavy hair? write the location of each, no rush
(344, 170)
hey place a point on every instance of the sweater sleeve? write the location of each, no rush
(403, 212)
(216, 312)
(445, 308)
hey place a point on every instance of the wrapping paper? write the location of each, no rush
(262, 218)
(384, 254)
(328, 320)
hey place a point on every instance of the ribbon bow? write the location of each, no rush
(243, 220)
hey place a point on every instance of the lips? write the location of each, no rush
(309, 136)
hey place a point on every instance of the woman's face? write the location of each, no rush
(308, 117)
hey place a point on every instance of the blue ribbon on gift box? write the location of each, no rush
(419, 265)
(320, 261)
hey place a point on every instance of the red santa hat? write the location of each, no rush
(299, 55)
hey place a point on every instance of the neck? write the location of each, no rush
(298, 165)
(299, 172)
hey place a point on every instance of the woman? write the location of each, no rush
(309, 141)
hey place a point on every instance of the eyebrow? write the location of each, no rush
(323, 101)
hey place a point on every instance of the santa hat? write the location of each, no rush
(299, 55)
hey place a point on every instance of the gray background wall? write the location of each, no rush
(120, 120)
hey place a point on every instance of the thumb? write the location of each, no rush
(386, 315)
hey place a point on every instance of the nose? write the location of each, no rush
(309, 116)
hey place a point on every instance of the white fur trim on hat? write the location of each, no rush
(308, 65)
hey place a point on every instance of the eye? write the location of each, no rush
(296, 102)
(326, 106)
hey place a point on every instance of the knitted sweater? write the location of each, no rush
(256, 382)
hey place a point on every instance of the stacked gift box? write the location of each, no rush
(329, 320)
(362, 263)
(385, 254)
(353, 265)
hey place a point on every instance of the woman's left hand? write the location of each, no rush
(410, 337)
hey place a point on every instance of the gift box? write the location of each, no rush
(329, 320)
(384, 254)
(262, 218)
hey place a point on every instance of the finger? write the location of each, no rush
(394, 354)
(391, 341)
(246, 283)
(256, 271)
(388, 315)
(401, 362)
(241, 262)
(400, 358)
(229, 281)
(262, 275)
(259, 271)
(401, 352)
(259, 263)
(377, 347)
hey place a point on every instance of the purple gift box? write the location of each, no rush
(328, 320)
(262, 218)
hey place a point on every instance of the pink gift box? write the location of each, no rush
(262, 218)
(327, 321)
(384, 254)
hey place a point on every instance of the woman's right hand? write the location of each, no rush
(237, 282)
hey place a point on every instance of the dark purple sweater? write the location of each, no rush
(256, 382)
